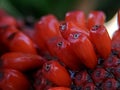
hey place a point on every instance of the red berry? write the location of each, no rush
(77, 17)
(83, 48)
(101, 40)
(69, 27)
(95, 18)
(116, 38)
(40, 82)
(21, 61)
(56, 73)
(46, 28)
(17, 41)
(13, 80)
(62, 49)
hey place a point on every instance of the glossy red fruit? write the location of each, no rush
(17, 41)
(89, 86)
(110, 84)
(116, 37)
(56, 73)
(59, 88)
(40, 82)
(13, 80)
(116, 42)
(83, 48)
(61, 48)
(82, 78)
(101, 40)
(99, 75)
(7, 21)
(111, 62)
(46, 28)
(21, 61)
(95, 18)
(77, 17)
(69, 27)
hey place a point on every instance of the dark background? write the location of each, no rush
(38, 8)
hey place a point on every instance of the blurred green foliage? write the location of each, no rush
(38, 8)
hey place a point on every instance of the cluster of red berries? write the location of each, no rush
(74, 54)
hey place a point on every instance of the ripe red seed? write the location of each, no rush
(95, 18)
(17, 41)
(13, 80)
(56, 73)
(101, 40)
(21, 61)
(83, 47)
(77, 17)
(69, 27)
(115, 37)
(41, 82)
(76, 48)
(46, 28)
(62, 49)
